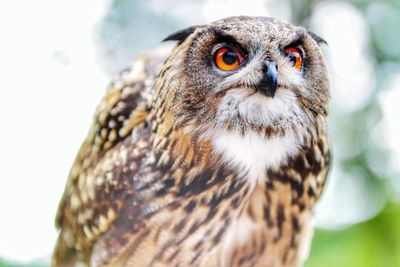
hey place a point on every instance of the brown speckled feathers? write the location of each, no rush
(180, 169)
(98, 185)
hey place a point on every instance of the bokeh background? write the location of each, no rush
(56, 58)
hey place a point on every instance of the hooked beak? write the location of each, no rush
(269, 82)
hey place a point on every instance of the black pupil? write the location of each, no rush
(293, 57)
(229, 57)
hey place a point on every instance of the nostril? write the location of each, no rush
(265, 66)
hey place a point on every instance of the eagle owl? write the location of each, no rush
(210, 154)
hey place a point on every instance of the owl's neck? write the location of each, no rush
(256, 153)
(252, 153)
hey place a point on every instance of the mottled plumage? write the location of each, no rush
(189, 165)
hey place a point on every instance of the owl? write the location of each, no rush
(210, 153)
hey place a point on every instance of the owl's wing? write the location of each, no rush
(99, 181)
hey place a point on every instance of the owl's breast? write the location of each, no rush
(230, 201)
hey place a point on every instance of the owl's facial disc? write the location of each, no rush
(256, 81)
(262, 65)
(249, 72)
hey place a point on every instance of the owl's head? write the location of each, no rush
(244, 73)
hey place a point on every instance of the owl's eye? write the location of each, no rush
(295, 55)
(227, 58)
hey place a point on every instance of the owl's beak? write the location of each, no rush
(269, 82)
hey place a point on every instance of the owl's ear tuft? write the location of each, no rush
(317, 38)
(181, 35)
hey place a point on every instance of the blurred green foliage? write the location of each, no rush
(375, 243)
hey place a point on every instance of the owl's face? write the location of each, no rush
(248, 72)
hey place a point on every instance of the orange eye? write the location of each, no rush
(227, 58)
(295, 55)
